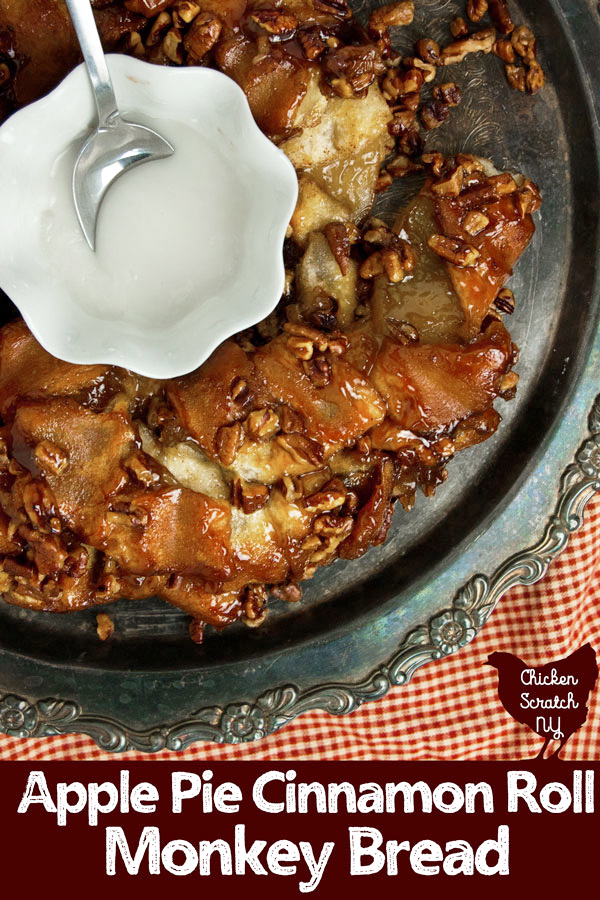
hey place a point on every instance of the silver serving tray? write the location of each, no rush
(504, 514)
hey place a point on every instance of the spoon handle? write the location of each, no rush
(93, 54)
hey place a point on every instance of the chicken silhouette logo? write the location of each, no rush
(550, 699)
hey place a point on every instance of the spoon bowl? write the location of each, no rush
(108, 153)
(116, 145)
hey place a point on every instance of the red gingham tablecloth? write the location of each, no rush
(450, 710)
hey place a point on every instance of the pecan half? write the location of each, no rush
(202, 35)
(262, 424)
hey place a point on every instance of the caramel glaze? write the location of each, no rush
(306, 456)
(290, 445)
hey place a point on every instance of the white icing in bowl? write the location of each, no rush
(189, 249)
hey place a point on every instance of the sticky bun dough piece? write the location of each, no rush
(426, 300)
(337, 410)
(506, 210)
(274, 82)
(430, 389)
(29, 371)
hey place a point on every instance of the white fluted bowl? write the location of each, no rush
(233, 242)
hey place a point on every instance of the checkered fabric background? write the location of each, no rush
(450, 710)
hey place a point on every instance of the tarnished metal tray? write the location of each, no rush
(505, 512)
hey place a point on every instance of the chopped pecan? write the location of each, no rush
(374, 518)
(172, 46)
(458, 27)
(459, 253)
(480, 41)
(40, 507)
(435, 161)
(402, 165)
(516, 77)
(534, 77)
(392, 14)
(240, 390)
(523, 42)
(105, 626)
(476, 9)
(158, 29)
(384, 181)
(196, 630)
(451, 184)
(403, 332)
(469, 162)
(279, 24)
(383, 262)
(351, 70)
(186, 11)
(505, 301)
(448, 93)
(303, 348)
(505, 50)
(311, 42)
(503, 183)
(500, 16)
(254, 605)
(331, 496)
(318, 369)
(302, 449)
(415, 62)
(262, 424)
(51, 458)
(529, 197)
(338, 238)
(428, 50)
(338, 8)
(137, 464)
(249, 497)
(508, 385)
(434, 114)
(474, 222)
(291, 593)
(202, 36)
(291, 422)
(228, 441)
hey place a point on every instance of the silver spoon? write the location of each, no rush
(116, 145)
